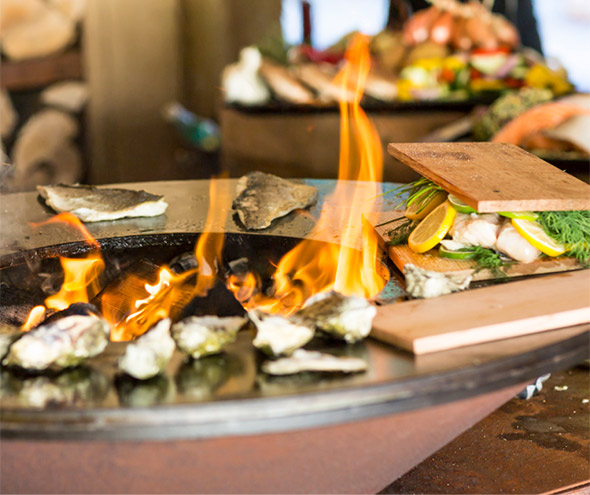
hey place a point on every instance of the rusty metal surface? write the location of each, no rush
(358, 457)
(539, 445)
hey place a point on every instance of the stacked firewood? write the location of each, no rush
(42, 147)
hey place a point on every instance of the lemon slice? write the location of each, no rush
(433, 228)
(534, 233)
(414, 213)
(460, 206)
(524, 215)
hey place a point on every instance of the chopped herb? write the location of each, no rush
(421, 190)
(571, 228)
(399, 235)
(488, 259)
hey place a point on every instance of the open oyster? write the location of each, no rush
(150, 353)
(277, 335)
(428, 283)
(303, 360)
(204, 335)
(344, 317)
(60, 343)
(8, 334)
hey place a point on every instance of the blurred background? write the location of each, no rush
(107, 91)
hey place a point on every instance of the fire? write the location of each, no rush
(81, 275)
(168, 295)
(351, 267)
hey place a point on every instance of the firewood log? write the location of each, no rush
(16, 12)
(72, 9)
(8, 115)
(44, 153)
(40, 36)
(70, 96)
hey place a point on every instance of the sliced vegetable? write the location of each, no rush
(432, 229)
(460, 205)
(419, 209)
(533, 232)
(461, 254)
(523, 215)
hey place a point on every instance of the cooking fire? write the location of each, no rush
(315, 288)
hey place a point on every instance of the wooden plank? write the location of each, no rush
(38, 72)
(384, 221)
(133, 67)
(493, 177)
(483, 315)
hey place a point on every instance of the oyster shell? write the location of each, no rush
(150, 353)
(277, 335)
(201, 336)
(344, 317)
(428, 283)
(59, 344)
(264, 197)
(8, 334)
(303, 360)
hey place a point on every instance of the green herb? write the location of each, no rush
(399, 235)
(420, 192)
(571, 228)
(488, 259)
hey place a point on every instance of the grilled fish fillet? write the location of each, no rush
(93, 204)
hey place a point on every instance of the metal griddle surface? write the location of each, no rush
(226, 395)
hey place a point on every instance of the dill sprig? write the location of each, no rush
(488, 259)
(420, 191)
(399, 235)
(571, 228)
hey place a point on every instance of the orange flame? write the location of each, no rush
(351, 267)
(167, 296)
(81, 275)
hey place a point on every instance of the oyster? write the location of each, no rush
(8, 334)
(303, 360)
(428, 283)
(344, 317)
(201, 336)
(77, 386)
(264, 197)
(150, 353)
(277, 335)
(59, 344)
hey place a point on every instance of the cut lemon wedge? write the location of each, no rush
(432, 229)
(418, 211)
(524, 215)
(460, 205)
(534, 233)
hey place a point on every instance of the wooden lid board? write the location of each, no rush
(492, 177)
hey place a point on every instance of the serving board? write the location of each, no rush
(486, 314)
(385, 221)
(492, 177)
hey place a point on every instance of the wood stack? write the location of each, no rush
(43, 143)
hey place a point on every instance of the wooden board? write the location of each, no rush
(401, 255)
(492, 177)
(486, 314)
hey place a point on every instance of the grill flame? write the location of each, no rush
(351, 267)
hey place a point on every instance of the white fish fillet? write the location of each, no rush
(477, 230)
(93, 204)
(515, 245)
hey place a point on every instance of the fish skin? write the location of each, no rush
(261, 198)
(93, 204)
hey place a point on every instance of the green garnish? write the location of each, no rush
(571, 228)
(422, 190)
(488, 259)
(399, 235)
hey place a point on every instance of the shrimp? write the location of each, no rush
(545, 116)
